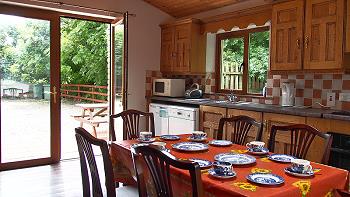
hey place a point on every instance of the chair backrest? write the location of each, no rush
(158, 164)
(88, 165)
(301, 137)
(131, 123)
(240, 127)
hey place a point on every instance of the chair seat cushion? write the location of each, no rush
(127, 191)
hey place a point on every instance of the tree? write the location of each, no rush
(84, 55)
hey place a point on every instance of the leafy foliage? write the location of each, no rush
(233, 57)
(25, 51)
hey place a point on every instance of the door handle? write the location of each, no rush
(54, 93)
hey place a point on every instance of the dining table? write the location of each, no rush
(324, 182)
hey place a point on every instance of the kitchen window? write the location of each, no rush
(242, 60)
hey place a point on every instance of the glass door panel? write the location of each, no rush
(232, 63)
(25, 89)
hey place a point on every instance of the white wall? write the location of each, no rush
(144, 40)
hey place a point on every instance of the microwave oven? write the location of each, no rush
(169, 87)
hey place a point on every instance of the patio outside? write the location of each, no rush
(25, 83)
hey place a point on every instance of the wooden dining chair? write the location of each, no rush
(241, 125)
(301, 137)
(89, 169)
(158, 164)
(131, 123)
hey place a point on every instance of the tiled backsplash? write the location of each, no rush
(310, 88)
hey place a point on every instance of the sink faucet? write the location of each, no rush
(232, 98)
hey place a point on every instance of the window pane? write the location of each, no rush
(232, 53)
(258, 61)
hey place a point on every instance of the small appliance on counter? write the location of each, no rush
(288, 94)
(194, 92)
(169, 87)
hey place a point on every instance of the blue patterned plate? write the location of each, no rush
(235, 159)
(197, 139)
(169, 137)
(290, 171)
(190, 146)
(265, 178)
(220, 143)
(202, 162)
(146, 141)
(264, 151)
(281, 158)
(228, 175)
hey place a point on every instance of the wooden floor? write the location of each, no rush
(63, 179)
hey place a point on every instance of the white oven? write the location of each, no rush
(169, 87)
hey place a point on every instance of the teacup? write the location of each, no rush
(145, 135)
(161, 145)
(256, 146)
(222, 167)
(301, 166)
(198, 135)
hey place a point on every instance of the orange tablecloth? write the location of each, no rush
(325, 181)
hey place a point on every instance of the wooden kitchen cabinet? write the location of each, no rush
(287, 34)
(309, 35)
(181, 48)
(210, 118)
(317, 146)
(253, 131)
(282, 140)
(324, 26)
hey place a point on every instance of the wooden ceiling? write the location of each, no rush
(181, 8)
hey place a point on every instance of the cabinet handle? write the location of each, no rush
(306, 42)
(298, 43)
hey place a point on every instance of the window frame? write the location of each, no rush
(237, 34)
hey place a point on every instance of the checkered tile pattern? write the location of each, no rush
(311, 88)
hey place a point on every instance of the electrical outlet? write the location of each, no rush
(344, 96)
(331, 99)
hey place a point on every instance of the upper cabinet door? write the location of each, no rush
(167, 49)
(323, 34)
(287, 34)
(182, 48)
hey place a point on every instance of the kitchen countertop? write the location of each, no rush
(297, 111)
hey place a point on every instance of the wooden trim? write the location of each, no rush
(235, 34)
(242, 18)
(112, 78)
(25, 164)
(125, 63)
(180, 22)
(55, 80)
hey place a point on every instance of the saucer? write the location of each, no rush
(197, 140)
(281, 158)
(264, 151)
(169, 137)
(220, 143)
(146, 141)
(265, 179)
(290, 171)
(228, 175)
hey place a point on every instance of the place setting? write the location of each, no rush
(235, 159)
(169, 137)
(257, 148)
(222, 170)
(281, 158)
(220, 143)
(300, 168)
(267, 179)
(146, 137)
(198, 136)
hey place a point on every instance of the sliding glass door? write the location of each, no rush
(29, 89)
(58, 72)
